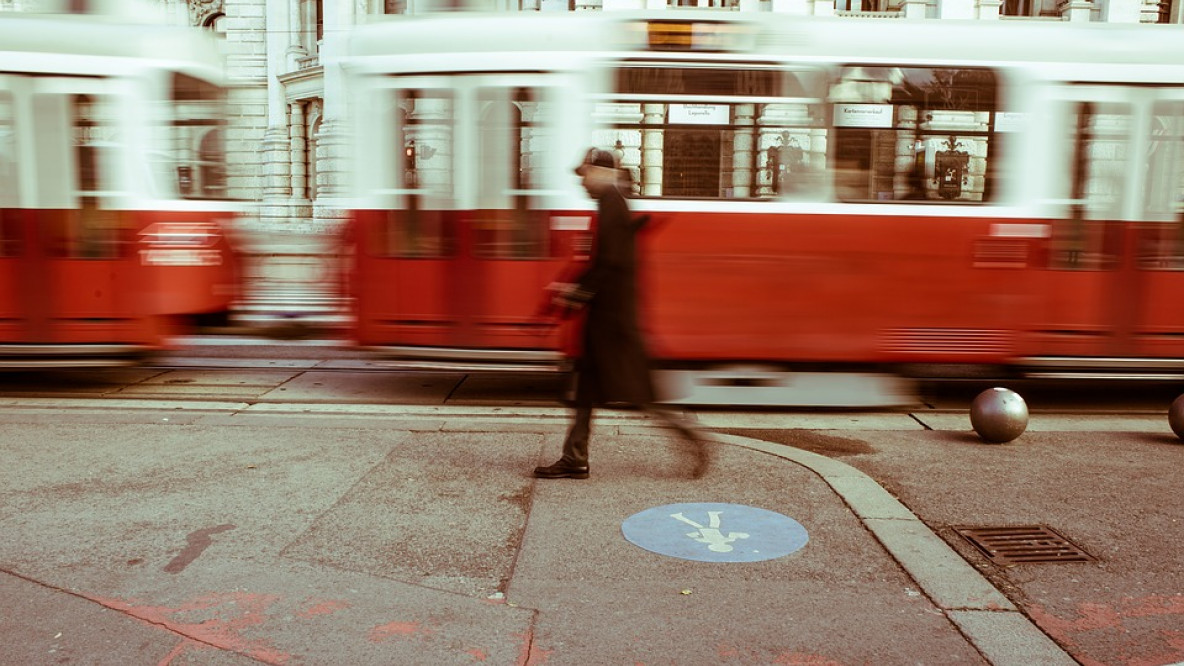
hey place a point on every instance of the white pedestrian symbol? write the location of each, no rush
(711, 534)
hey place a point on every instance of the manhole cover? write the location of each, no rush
(1023, 544)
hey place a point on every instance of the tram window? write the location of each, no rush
(423, 173)
(737, 134)
(1098, 140)
(8, 161)
(913, 134)
(514, 130)
(1165, 162)
(1162, 241)
(196, 144)
(91, 230)
(10, 244)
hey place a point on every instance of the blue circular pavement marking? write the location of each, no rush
(715, 532)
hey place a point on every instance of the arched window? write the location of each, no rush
(216, 23)
(310, 155)
(211, 165)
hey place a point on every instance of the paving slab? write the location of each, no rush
(387, 387)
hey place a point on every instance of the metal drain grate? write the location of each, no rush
(1023, 544)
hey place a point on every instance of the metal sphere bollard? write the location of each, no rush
(1176, 416)
(999, 415)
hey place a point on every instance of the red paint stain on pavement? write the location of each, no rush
(1126, 630)
(385, 631)
(477, 655)
(322, 608)
(217, 619)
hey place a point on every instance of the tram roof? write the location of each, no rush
(62, 43)
(779, 36)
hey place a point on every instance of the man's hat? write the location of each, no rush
(597, 157)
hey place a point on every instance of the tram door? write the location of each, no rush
(470, 236)
(66, 253)
(1115, 251)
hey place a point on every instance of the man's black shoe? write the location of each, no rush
(561, 470)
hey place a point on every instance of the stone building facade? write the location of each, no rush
(286, 142)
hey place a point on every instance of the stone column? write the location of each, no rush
(955, 9)
(1149, 12)
(332, 172)
(294, 50)
(276, 142)
(822, 7)
(989, 10)
(790, 6)
(1076, 10)
(1121, 11)
(274, 206)
(651, 150)
(915, 9)
(296, 136)
(743, 144)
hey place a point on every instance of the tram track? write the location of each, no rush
(323, 372)
(354, 383)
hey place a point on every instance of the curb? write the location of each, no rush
(984, 615)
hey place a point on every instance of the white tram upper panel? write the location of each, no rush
(101, 46)
(1094, 52)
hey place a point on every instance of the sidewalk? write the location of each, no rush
(213, 536)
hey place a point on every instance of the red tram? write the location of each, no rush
(834, 203)
(113, 209)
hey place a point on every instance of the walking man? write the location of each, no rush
(612, 367)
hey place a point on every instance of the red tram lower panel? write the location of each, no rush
(802, 288)
(92, 291)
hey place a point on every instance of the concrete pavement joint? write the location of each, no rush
(126, 612)
(987, 618)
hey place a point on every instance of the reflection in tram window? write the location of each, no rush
(717, 133)
(914, 133)
(93, 231)
(196, 139)
(424, 144)
(1099, 136)
(10, 245)
(1165, 162)
(1162, 245)
(513, 129)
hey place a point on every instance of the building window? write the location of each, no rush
(312, 24)
(1165, 12)
(312, 116)
(1016, 8)
(216, 24)
(394, 7)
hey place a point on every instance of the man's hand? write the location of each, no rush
(561, 294)
(567, 295)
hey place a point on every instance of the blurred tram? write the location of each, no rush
(835, 205)
(113, 210)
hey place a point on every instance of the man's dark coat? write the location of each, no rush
(613, 366)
